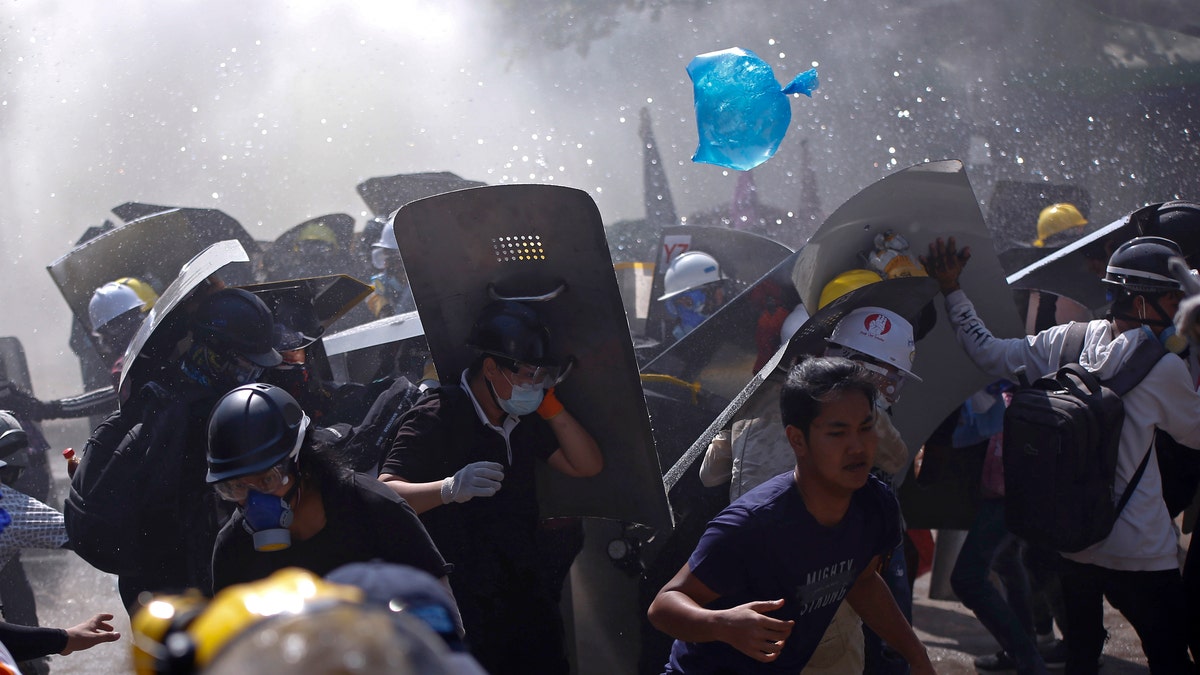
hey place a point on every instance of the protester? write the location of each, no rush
(296, 507)
(1136, 567)
(771, 569)
(693, 288)
(465, 459)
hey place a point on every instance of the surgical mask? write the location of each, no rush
(266, 517)
(689, 317)
(524, 399)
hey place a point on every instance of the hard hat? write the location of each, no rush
(317, 232)
(118, 297)
(1057, 218)
(513, 331)
(844, 283)
(1140, 266)
(12, 435)
(689, 270)
(251, 429)
(236, 320)
(159, 630)
(880, 334)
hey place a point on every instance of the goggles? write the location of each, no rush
(538, 377)
(266, 482)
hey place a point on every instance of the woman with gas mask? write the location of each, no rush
(296, 505)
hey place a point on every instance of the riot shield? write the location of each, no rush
(151, 248)
(388, 193)
(13, 366)
(209, 225)
(370, 350)
(283, 259)
(545, 244)
(331, 297)
(1067, 272)
(163, 327)
(744, 257)
(922, 203)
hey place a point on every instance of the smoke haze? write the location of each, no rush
(273, 111)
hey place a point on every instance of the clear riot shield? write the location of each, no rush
(372, 350)
(163, 327)
(543, 244)
(744, 257)
(151, 248)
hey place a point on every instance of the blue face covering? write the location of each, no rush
(524, 399)
(266, 518)
(689, 317)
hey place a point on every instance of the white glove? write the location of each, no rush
(477, 479)
(1187, 318)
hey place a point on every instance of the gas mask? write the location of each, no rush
(267, 517)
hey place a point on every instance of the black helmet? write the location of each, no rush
(236, 320)
(1178, 221)
(511, 330)
(12, 436)
(251, 429)
(1140, 266)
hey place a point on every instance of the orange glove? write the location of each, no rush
(550, 406)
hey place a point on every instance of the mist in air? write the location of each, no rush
(273, 111)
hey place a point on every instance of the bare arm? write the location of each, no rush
(420, 496)
(871, 599)
(679, 611)
(90, 633)
(578, 455)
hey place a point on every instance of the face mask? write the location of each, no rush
(524, 399)
(266, 518)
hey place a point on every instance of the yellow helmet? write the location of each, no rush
(207, 627)
(1057, 218)
(318, 232)
(844, 283)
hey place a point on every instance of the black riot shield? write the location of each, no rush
(151, 248)
(744, 257)
(388, 193)
(463, 249)
(163, 327)
(922, 203)
(1067, 271)
(13, 366)
(285, 258)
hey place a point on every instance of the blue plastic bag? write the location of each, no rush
(741, 111)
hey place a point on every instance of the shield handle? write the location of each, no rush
(497, 295)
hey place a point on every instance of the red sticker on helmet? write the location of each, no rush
(877, 325)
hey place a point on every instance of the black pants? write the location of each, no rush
(1153, 602)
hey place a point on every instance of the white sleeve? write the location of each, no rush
(998, 357)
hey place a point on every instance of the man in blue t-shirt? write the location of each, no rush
(773, 567)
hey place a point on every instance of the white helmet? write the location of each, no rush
(387, 242)
(880, 334)
(689, 270)
(112, 300)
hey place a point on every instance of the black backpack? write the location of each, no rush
(101, 512)
(1061, 437)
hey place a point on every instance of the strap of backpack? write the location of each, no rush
(1072, 347)
(1137, 366)
(1137, 475)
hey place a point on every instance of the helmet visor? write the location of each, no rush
(526, 374)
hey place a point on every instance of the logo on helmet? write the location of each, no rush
(877, 325)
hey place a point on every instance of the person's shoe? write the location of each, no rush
(995, 663)
(1055, 654)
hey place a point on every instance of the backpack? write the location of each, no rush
(106, 494)
(1061, 437)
